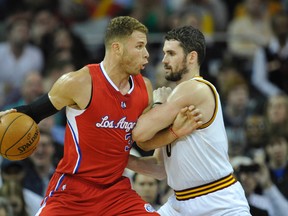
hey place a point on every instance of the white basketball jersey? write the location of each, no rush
(200, 157)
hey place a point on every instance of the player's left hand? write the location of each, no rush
(187, 120)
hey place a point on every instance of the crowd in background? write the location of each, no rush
(246, 59)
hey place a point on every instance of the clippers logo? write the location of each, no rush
(64, 187)
(123, 105)
(149, 208)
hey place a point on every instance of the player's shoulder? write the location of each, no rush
(76, 77)
(82, 72)
(193, 86)
(147, 81)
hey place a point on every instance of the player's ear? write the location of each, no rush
(192, 57)
(117, 48)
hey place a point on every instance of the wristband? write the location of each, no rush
(38, 109)
(174, 134)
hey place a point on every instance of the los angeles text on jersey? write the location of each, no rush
(121, 124)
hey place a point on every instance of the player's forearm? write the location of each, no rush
(38, 109)
(160, 139)
(154, 121)
(147, 166)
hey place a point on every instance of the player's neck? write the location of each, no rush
(188, 76)
(118, 77)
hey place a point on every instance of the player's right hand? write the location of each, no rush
(187, 120)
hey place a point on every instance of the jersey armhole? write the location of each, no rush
(216, 104)
(91, 95)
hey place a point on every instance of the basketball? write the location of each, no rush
(19, 136)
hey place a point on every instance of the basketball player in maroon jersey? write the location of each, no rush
(103, 102)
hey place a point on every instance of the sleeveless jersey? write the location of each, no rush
(98, 139)
(202, 156)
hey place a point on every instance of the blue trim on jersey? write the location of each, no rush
(55, 189)
(77, 148)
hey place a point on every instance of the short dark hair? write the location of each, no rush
(123, 26)
(191, 39)
(11, 167)
(274, 136)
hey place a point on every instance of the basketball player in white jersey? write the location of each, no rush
(197, 165)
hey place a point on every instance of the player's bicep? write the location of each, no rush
(197, 94)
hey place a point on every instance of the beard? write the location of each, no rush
(175, 76)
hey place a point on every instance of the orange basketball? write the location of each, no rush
(19, 136)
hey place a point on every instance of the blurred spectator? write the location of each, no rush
(237, 106)
(83, 10)
(15, 56)
(12, 171)
(36, 5)
(88, 19)
(152, 13)
(147, 189)
(15, 171)
(261, 193)
(276, 149)
(255, 129)
(40, 166)
(68, 46)
(277, 113)
(10, 7)
(248, 32)
(31, 88)
(43, 26)
(5, 207)
(270, 66)
(191, 14)
(274, 6)
(232, 7)
(48, 125)
(217, 9)
(285, 5)
(12, 191)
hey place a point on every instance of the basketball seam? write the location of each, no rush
(19, 139)
(6, 131)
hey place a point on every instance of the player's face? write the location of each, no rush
(135, 55)
(174, 61)
(146, 187)
(44, 151)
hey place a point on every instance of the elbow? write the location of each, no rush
(139, 137)
(142, 140)
(161, 173)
